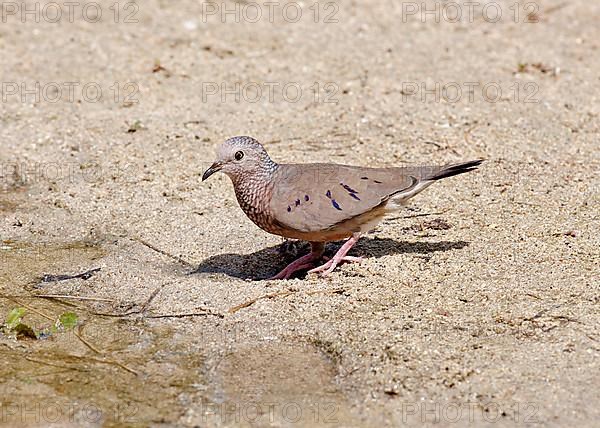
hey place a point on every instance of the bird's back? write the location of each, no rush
(312, 198)
(332, 201)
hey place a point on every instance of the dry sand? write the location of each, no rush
(494, 319)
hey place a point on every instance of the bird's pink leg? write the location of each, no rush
(339, 257)
(303, 262)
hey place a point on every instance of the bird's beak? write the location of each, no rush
(210, 171)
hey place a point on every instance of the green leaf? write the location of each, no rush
(68, 320)
(14, 317)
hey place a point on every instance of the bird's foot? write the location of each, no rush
(309, 260)
(339, 257)
(328, 267)
(302, 263)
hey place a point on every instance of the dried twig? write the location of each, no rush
(114, 315)
(541, 313)
(86, 343)
(111, 362)
(283, 294)
(141, 309)
(33, 310)
(185, 315)
(163, 252)
(46, 363)
(256, 299)
(533, 295)
(334, 291)
(424, 214)
(153, 295)
(433, 143)
(61, 296)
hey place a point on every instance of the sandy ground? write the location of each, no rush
(493, 320)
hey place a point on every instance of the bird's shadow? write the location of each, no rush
(267, 262)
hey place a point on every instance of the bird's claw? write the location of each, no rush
(331, 264)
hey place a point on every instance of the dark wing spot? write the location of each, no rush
(378, 182)
(364, 178)
(354, 196)
(306, 198)
(336, 205)
(297, 202)
(328, 194)
(348, 188)
(289, 208)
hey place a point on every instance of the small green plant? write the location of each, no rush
(68, 320)
(14, 325)
(14, 317)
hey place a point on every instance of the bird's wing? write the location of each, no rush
(315, 197)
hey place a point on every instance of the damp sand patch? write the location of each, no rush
(71, 367)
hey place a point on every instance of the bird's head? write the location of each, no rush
(240, 156)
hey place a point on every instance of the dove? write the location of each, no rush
(319, 202)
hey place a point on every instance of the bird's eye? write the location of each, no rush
(239, 155)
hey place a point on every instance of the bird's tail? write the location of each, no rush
(429, 175)
(454, 169)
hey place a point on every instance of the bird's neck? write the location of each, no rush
(253, 191)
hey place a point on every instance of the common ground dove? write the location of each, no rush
(319, 202)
